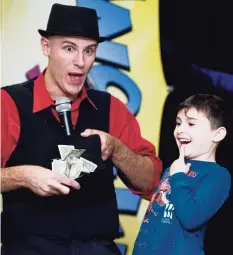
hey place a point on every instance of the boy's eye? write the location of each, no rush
(191, 124)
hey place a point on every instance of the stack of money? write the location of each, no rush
(71, 163)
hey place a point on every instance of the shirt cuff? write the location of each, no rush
(178, 180)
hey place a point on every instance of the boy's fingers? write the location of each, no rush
(188, 167)
(182, 150)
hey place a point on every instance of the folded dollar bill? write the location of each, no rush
(71, 163)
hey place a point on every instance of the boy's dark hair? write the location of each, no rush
(213, 106)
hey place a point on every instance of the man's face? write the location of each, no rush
(70, 59)
(194, 131)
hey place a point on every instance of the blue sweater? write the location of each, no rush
(180, 208)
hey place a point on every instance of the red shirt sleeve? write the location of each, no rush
(125, 127)
(10, 127)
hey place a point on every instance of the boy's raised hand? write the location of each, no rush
(179, 166)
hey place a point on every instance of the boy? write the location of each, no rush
(194, 188)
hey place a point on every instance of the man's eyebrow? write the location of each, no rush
(69, 42)
(74, 44)
(91, 45)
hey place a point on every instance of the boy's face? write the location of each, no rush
(193, 129)
(70, 60)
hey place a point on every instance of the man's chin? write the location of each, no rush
(75, 88)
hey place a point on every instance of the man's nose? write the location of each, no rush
(79, 60)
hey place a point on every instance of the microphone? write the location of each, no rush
(63, 107)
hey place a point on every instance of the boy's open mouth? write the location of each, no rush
(184, 140)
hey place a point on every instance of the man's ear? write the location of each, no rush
(219, 134)
(45, 45)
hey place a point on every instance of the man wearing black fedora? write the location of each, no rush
(45, 212)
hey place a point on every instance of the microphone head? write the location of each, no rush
(63, 104)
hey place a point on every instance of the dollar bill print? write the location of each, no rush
(65, 150)
(71, 163)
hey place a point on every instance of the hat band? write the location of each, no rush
(75, 32)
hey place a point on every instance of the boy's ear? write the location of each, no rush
(219, 134)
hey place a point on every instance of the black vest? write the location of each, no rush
(86, 214)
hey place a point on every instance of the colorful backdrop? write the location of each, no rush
(196, 49)
(131, 58)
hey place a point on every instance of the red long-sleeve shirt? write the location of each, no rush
(123, 126)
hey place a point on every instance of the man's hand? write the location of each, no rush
(135, 170)
(44, 182)
(107, 141)
(179, 166)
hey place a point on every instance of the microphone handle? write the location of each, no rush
(67, 122)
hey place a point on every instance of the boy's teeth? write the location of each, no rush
(185, 141)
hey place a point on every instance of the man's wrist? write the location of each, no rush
(22, 172)
(116, 147)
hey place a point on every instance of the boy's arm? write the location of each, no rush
(193, 209)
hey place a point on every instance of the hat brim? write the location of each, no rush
(49, 33)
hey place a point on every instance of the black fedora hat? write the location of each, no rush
(72, 21)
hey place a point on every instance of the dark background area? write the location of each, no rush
(197, 55)
(202, 29)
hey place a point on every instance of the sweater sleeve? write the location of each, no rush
(195, 208)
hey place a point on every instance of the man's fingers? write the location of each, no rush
(68, 182)
(89, 132)
(58, 188)
(74, 184)
(86, 133)
(63, 189)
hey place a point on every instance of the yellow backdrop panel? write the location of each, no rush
(21, 52)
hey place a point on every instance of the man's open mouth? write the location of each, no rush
(76, 76)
